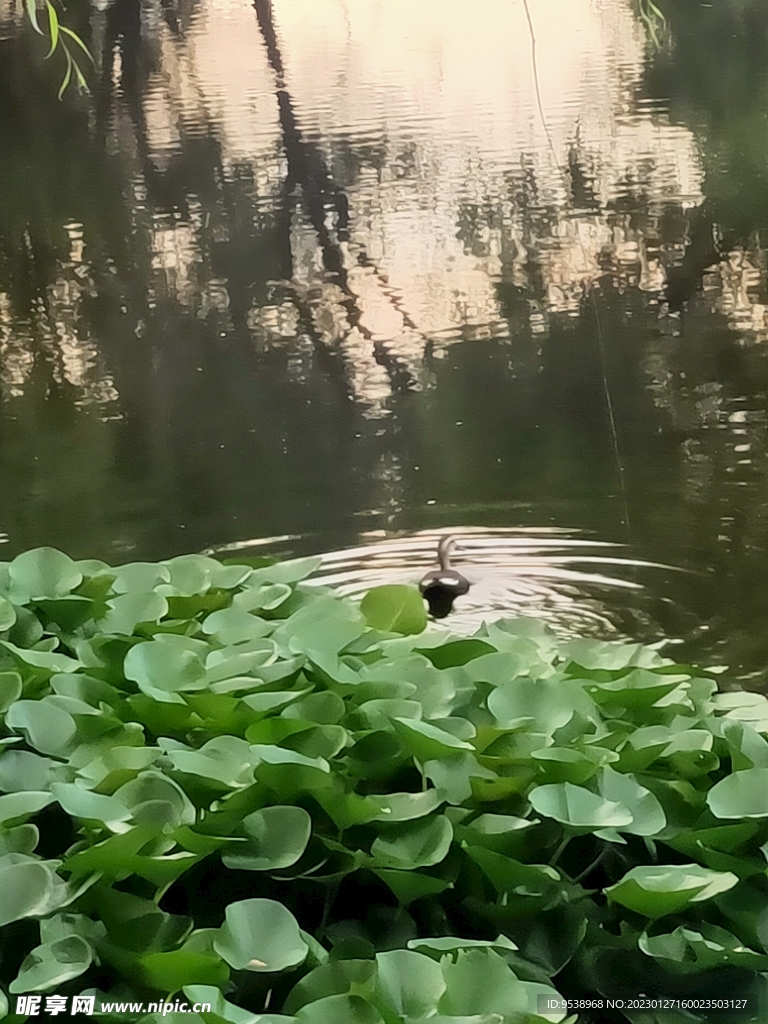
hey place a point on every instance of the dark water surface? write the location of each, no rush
(335, 273)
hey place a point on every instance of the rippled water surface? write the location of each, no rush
(356, 273)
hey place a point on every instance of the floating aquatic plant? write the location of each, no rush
(220, 785)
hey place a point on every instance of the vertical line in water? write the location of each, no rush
(598, 325)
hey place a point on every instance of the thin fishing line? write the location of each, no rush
(600, 342)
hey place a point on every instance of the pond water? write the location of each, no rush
(342, 276)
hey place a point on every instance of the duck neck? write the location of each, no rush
(444, 549)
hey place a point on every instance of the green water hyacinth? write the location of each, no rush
(221, 784)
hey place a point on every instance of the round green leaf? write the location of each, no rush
(139, 577)
(324, 708)
(169, 970)
(7, 614)
(220, 1007)
(407, 806)
(260, 935)
(53, 963)
(409, 983)
(50, 728)
(154, 799)
(740, 795)
(191, 574)
(481, 981)
(658, 890)
(15, 805)
(288, 572)
(234, 625)
(335, 1009)
(10, 689)
(82, 803)
(578, 807)
(43, 573)
(277, 837)
(168, 664)
(648, 816)
(126, 611)
(25, 889)
(418, 844)
(395, 609)
(547, 704)
(264, 597)
(425, 741)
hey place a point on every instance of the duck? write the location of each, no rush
(440, 587)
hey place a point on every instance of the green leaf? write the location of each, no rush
(220, 1007)
(234, 625)
(50, 965)
(7, 614)
(277, 837)
(610, 655)
(25, 888)
(417, 844)
(154, 799)
(395, 609)
(42, 572)
(406, 806)
(126, 611)
(170, 971)
(68, 72)
(324, 708)
(292, 571)
(409, 984)
(452, 776)
(690, 949)
(481, 981)
(42, 658)
(167, 664)
(437, 948)
(542, 705)
(82, 803)
(78, 42)
(266, 597)
(530, 881)
(17, 805)
(648, 816)
(21, 839)
(335, 1009)
(53, 23)
(741, 795)
(260, 935)
(457, 652)
(332, 978)
(579, 808)
(10, 689)
(658, 890)
(637, 689)
(49, 728)
(139, 577)
(411, 885)
(226, 759)
(32, 14)
(279, 755)
(425, 741)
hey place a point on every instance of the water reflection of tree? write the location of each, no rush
(249, 391)
(712, 380)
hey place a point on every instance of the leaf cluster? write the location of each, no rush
(64, 39)
(220, 782)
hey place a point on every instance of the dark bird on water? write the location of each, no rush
(442, 586)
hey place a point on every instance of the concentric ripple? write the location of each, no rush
(578, 585)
